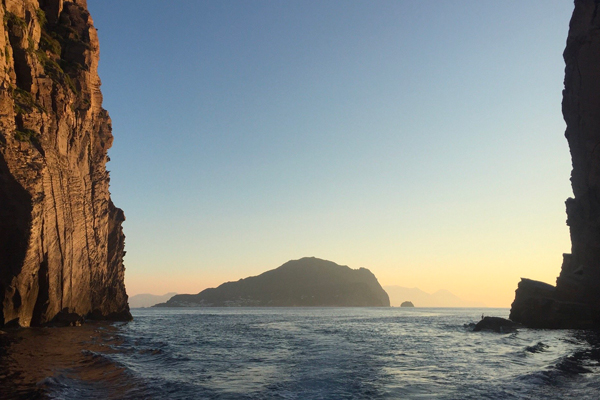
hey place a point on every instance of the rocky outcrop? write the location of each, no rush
(308, 282)
(496, 324)
(61, 242)
(407, 304)
(575, 301)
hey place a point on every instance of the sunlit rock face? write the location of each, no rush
(575, 301)
(61, 242)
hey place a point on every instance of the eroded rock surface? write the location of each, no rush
(575, 301)
(61, 242)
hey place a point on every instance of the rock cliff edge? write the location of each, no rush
(61, 242)
(575, 301)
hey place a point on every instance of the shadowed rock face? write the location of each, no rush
(308, 282)
(61, 242)
(496, 324)
(575, 301)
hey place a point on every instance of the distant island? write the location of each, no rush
(407, 304)
(308, 282)
(148, 300)
(441, 298)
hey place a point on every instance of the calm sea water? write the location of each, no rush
(318, 353)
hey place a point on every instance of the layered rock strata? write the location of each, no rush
(575, 301)
(61, 242)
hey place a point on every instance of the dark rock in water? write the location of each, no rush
(539, 305)
(496, 324)
(66, 318)
(61, 242)
(308, 282)
(575, 301)
(407, 304)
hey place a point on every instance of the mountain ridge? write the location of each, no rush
(144, 300)
(307, 282)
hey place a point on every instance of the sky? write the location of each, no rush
(422, 140)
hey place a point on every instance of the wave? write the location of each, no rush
(296, 354)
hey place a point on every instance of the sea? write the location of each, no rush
(299, 353)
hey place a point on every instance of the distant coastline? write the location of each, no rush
(420, 298)
(145, 300)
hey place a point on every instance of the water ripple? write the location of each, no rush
(329, 353)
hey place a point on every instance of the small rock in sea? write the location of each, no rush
(496, 324)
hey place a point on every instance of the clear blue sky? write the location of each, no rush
(421, 139)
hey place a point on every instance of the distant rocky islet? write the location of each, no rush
(440, 298)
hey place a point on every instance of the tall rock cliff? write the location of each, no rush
(575, 301)
(61, 242)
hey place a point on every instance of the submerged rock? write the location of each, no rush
(61, 242)
(575, 301)
(308, 282)
(496, 324)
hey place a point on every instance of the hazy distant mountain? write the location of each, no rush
(308, 282)
(441, 298)
(148, 300)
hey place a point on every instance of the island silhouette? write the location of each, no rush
(307, 282)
